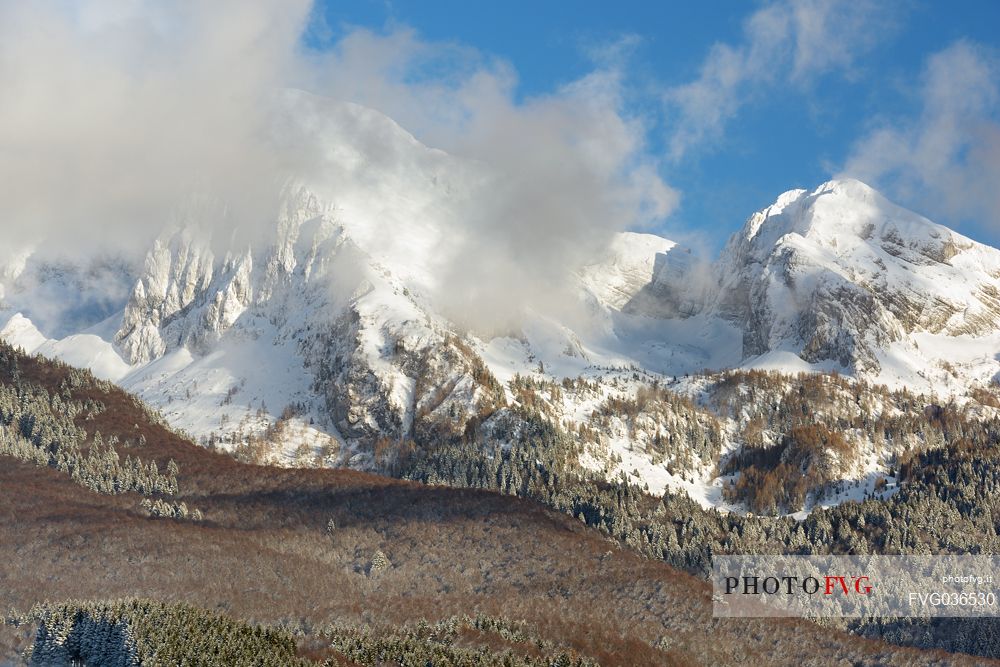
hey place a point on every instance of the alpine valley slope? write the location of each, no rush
(325, 345)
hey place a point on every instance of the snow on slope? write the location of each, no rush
(843, 279)
(630, 265)
(82, 350)
(87, 351)
(20, 332)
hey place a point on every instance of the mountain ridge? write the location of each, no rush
(327, 338)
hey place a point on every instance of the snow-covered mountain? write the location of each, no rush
(325, 339)
(843, 279)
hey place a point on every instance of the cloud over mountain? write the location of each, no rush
(784, 44)
(946, 157)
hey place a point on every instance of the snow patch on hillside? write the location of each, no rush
(20, 332)
(81, 350)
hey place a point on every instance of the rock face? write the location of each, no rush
(186, 297)
(839, 274)
(313, 320)
(177, 272)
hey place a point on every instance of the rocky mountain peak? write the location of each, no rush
(839, 274)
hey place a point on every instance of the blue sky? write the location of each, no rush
(809, 90)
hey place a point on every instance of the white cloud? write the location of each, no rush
(114, 112)
(786, 43)
(565, 170)
(946, 158)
